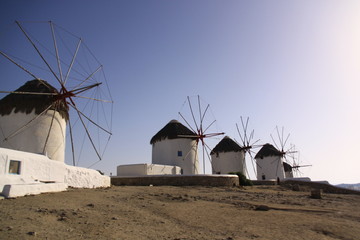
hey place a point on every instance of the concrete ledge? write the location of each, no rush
(177, 180)
(19, 190)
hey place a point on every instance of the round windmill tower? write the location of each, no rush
(202, 125)
(247, 143)
(73, 105)
(175, 145)
(228, 156)
(271, 160)
(33, 119)
(269, 163)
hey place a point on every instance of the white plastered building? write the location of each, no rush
(269, 163)
(32, 144)
(227, 156)
(176, 145)
(34, 123)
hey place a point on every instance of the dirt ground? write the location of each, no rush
(127, 212)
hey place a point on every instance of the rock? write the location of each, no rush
(296, 187)
(90, 205)
(62, 218)
(262, 208)
(315, 193)
(32, 233)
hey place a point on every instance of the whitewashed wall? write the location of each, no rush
(271, 167)
(165, 152)
(226, 162)
(33, 137)
(147, 169)
(37, 170)
(78, 177)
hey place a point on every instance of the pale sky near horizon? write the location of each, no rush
(282, 63)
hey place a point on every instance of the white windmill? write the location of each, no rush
(74, 98)
(230, 156)
(270, 159)
(201, 125)
(227, 156)
(174, 145)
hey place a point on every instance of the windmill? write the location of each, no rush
(247, 142)
(289, 154)
(201, 124)
(270, 158)
(68, 90)
(293, 164)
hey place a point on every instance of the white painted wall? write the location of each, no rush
(147, 169)
(226, 162)
(33, 137)
(78, 177)
(271, 167)
(165, 152)
(36, 169)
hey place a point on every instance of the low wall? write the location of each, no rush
(177, 180)
(144, 169)
(36, 173)
(326, 188)
(78, 177)
(264, 182)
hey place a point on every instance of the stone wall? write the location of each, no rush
(176, 180)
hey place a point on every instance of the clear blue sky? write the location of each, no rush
(288, 63)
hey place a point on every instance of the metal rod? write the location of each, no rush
(92, 74)
(95, 99)
(203, 116)
(56, 51)
(187, 123)
(237, 127)
(200, 113)
(72, 143)
(72, 61)
(48, 135)
(87, 132)
(192, 114)
(21, 128)
(90, 119)
(21, 67)
(38, 51)
(30, 93)
(209, 126)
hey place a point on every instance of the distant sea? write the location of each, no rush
(355, 186)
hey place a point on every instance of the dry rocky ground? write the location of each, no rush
(259, 212)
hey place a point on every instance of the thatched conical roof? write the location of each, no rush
(287, 167)
(26, 103)
(268, 150)
(226, 145)
(173, 130)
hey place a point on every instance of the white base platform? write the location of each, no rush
(18, 190)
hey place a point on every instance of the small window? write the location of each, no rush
(217, 154)
(179, 153)
(14, 167)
